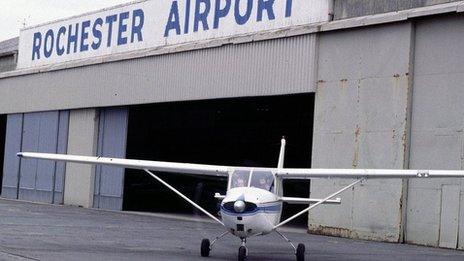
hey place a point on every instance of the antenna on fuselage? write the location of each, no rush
(280, 164)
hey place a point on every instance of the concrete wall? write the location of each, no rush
(82, 140)
(361, 121)
(391, 97)
(344, 9)
(436, 208)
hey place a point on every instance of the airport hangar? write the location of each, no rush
(355, 84)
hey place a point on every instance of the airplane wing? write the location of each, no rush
(366, 173)
(223, 171)
(161, 166)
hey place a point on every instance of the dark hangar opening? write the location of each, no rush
(2, 146)
(234, 132)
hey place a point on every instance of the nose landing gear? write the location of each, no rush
(242, 251)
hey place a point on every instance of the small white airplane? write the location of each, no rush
(252, 205)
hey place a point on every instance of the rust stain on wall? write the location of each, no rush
(348, 233)
(332, 231)
(357, 134)
(344, 83)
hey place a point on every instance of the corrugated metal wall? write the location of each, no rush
(344, 9)
(436, 208)
(112, 137)
(29, 179)
(361, 121)
(271, 67)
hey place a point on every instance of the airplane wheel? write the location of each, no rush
(205, 247)
(300, 252)
(242, 253)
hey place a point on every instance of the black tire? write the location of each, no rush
(205, 247)
(242, 253)
(300, 252)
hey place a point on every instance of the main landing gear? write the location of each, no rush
(299, 250)
(206, 246)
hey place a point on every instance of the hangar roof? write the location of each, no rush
(9, 46)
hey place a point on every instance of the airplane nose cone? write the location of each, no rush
(239, 206)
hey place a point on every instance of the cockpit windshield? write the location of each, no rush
(240, 179)
(259, 179)
(263, 180)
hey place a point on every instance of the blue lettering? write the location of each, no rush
(84, 35)
(137, 27)
(59, 48)
(36, 43)
(122, 28)
(97, 34)
(110, 20)
(288, 8)
(187, 16)
(72, 38)
(268, 6)
(173, 20)
(242, 19)
(201, 16)
(49, 36)
(220, 13)
(76, 37)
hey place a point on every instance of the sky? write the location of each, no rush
(16, 14)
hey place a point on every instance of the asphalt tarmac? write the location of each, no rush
(46, 232)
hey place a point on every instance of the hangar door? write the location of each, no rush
(29, 179)
(112, 136)
(2, 146)
(239, 131)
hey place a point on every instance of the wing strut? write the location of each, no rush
(183, 196)
(317, 204)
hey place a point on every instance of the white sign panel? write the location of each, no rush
(157, 23)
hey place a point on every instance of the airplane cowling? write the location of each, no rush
(262, 211)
